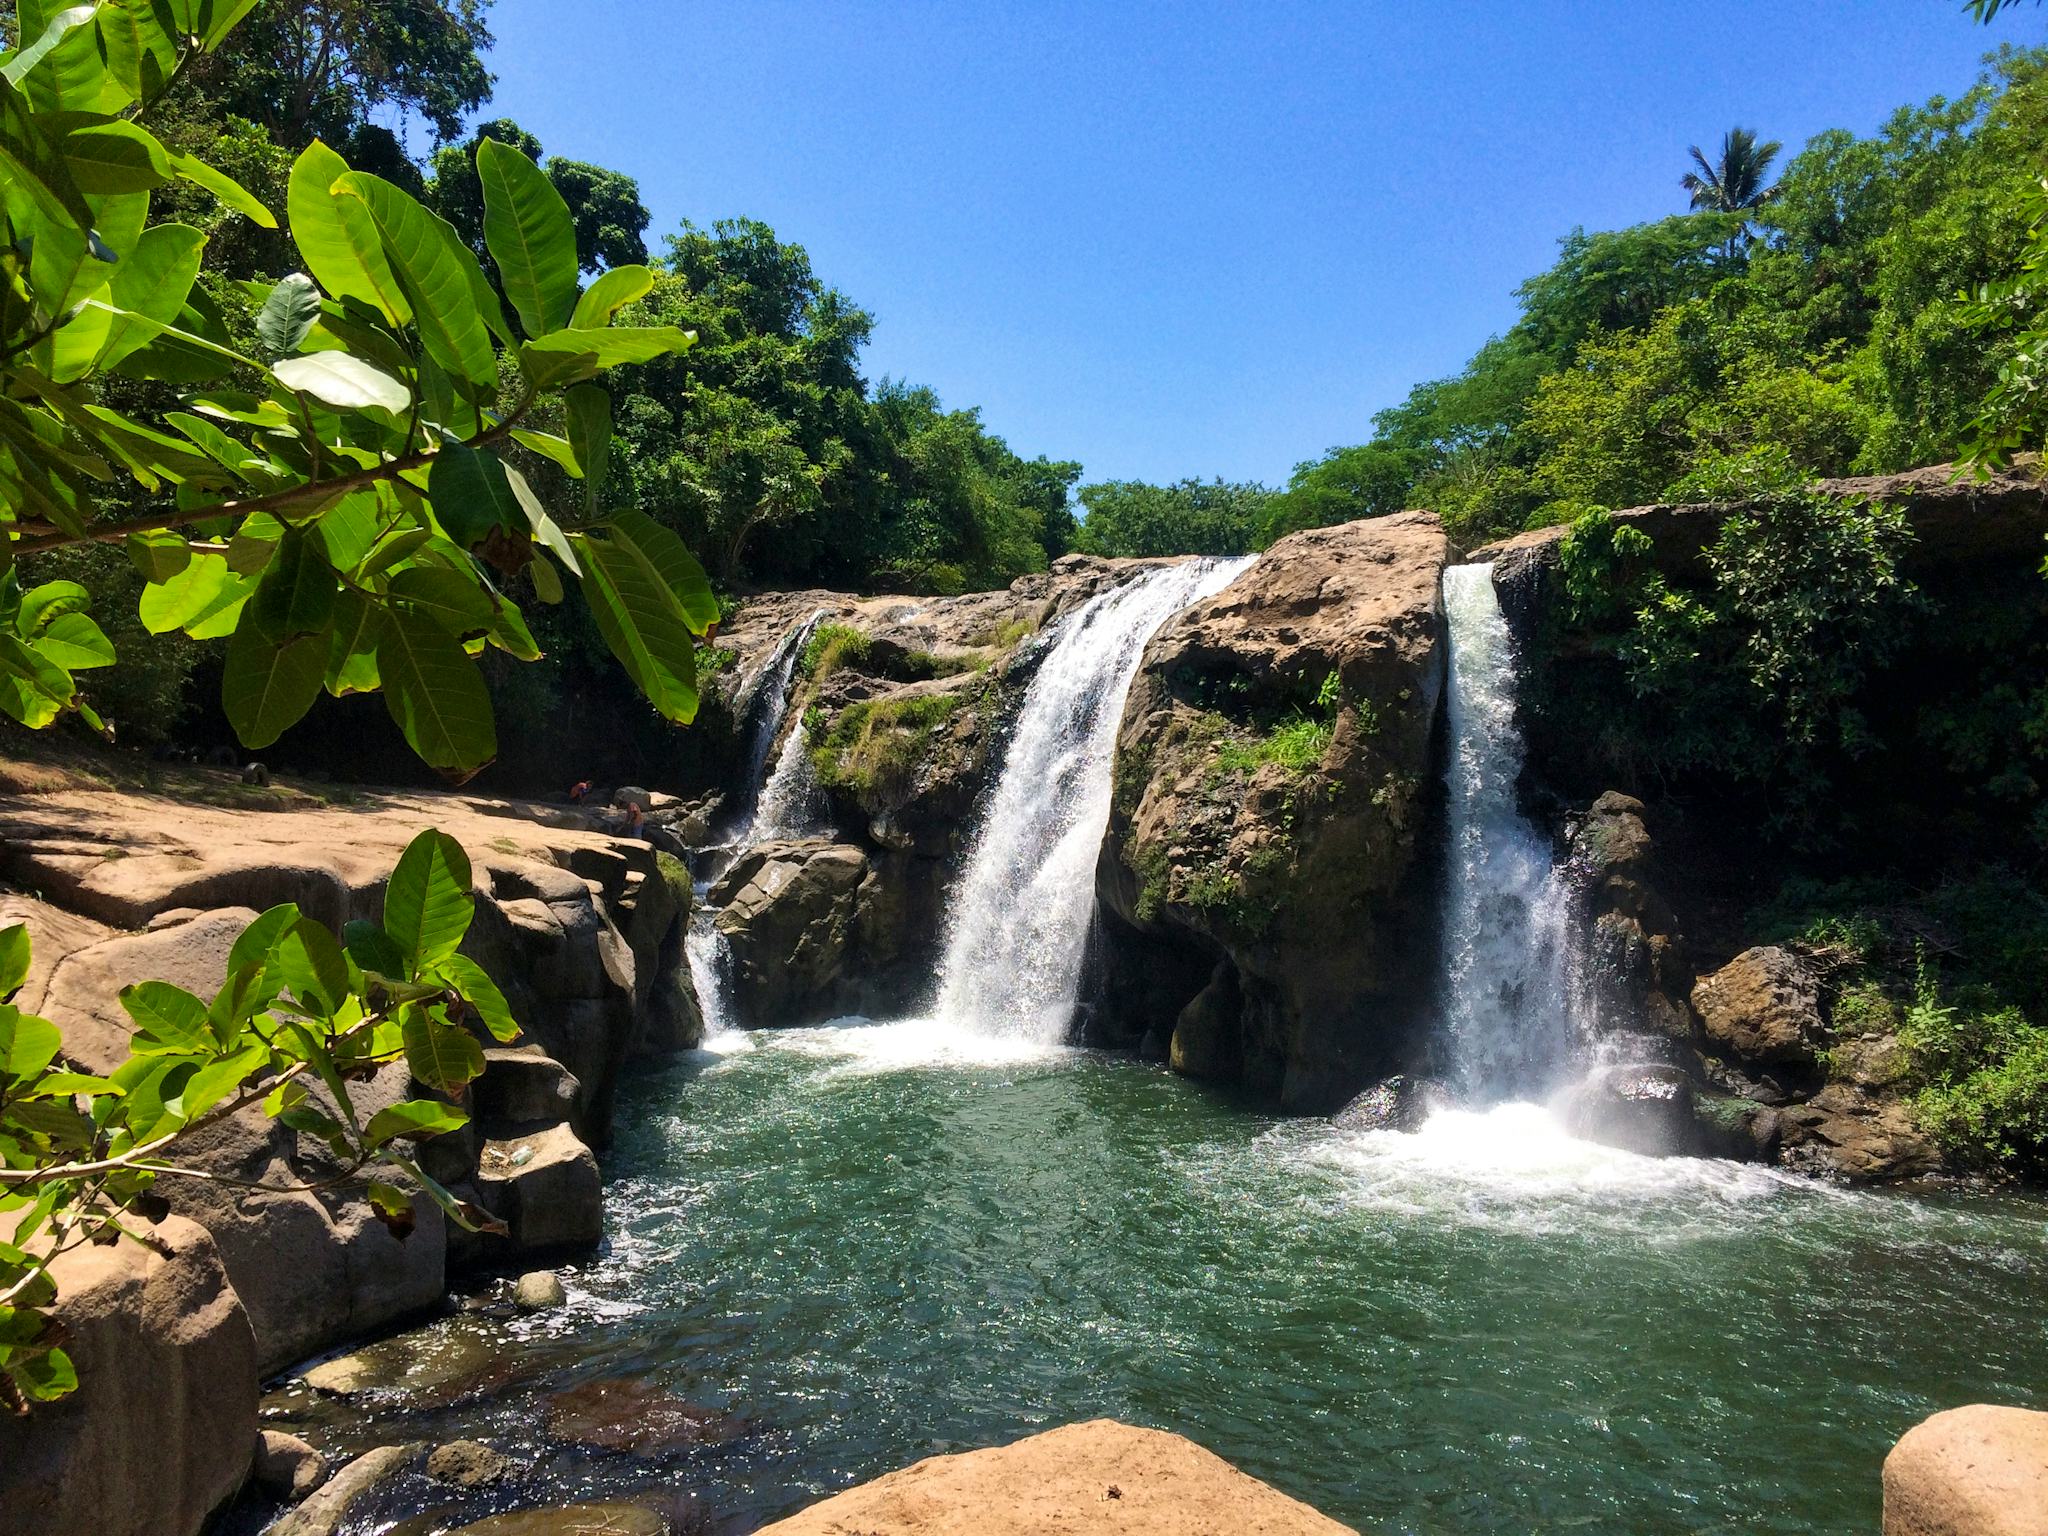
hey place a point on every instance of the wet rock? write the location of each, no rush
(468, 1464)
(630, 1413)
(324, 1513)
(1100, 1476)
(538, 1290)
(1976, 1471)
(1303, 874)
(1205, 1036)
(152, 1331)
(1634, 959)
(1647, 1109)
(1764, 1006)
(1400, 1103)
(286, 1466)
(791, 913)
(434, 1359)
(1737, 1128)
(1849, 1133)
(609, 1518)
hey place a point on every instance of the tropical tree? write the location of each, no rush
(1734, 183)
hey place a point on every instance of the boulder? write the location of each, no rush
(1305, 876)
(1762, 1006)
(1399, 1103)
(1098, 1476)
(162, 1427)
(544, 1185)
(791, 913)
(1847, 1132)
(1976, 1471)
(538, 1291)
(1633, 958)
(286, 1466)
(325, 1512)
(468, 1464)
(606, 1518)
(1647, 1109)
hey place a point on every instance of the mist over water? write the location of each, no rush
(1023, 902)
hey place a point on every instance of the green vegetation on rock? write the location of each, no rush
(873, 748)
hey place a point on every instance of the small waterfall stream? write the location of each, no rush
(1505, 999)
(1021, 911)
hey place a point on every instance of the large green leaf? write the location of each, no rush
(472, 494)
(417, 1118)
(643, 626)
(289, 312)
(27, 1044)
(450, 599)
(440, 274)
(297, 593)
(31, 161)
(203, 590)
(441, 1055)
(55, 29)
(530, 234)
(267, 687)
(610, 293)
(76, 643)
(665, 555)
(427, 900)
(225, 188)
(167, 1018)
(338, 239)
(33, 688)
(343, 381)
(308, 960)
(566, 357)
(151, 284)
(590, 436)
(72, 76)
(435, 694)
(352, 655)
(470, 979)
(115, 157)
(14, 953)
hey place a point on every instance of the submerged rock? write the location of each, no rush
(1400, 1103)
(1099, 1476)
(286, 1466)
(468, 1464)
(609, 1518)
(1975, 1471)
(324, 1513)
(1271, 784)
(630, 1413)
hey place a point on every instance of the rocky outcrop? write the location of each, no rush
(1098, 1476)
(1634, 973)
(805, 923)
(1976, 1471)
(1763, 1006)
(162, 1428)
(1273, 782)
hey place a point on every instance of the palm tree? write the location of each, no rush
(1736, 185)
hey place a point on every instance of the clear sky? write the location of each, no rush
(1194, 238)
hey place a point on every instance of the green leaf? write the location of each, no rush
(641, 625)
(427, 901)
(590, 436)
(665, 557)
(444, 1056)
(338, 239)
(267, 687)
(167, 1019)
(391, 1205)
(309, 961)
(297, 593)
(158, 554)
(55, 30)
(218, 1079)
(373, 950)
(435, 694)
(229, 192)
(75, 643)
(150, 284)
(530, 234)
(547, 585)
(554, 449)
(115, 157)
(343, 381)
(416, 1118)
(453, 601)
(14, 952)
(41, 605)
(33, 688)
(568, 356)
(471, 493)
(289, 312)
(27, 1044)
(253, 944)
(203, 589)
(30, 160)
(610, 293)
(482, 994)
(436, 268)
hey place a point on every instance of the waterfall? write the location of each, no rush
(1021, 911)
(1505, 1003)
(778, 806)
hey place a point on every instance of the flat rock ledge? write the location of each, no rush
(1975, 1471)
(1100, 1476)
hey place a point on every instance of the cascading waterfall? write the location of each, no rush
(1021, 911)
(775, 806)
(1506, 1004)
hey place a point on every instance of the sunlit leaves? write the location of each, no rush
(439, 274)
(530, 235)
(427, 900)
(288, 314)
(435, 694)
(342, 381)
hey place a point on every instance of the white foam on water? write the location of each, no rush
(858, 1045)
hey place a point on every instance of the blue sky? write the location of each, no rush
(1194, 238)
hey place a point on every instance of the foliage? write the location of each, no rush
(876, 746)
(301, 1014)
(831, 647)
(1733, 182)
(332, 496)
(1189, 517)
(1602, 565)
(1370, 480)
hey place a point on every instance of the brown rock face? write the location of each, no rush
(1763, 1006)
(799, 918)
(1099, 1476)
(1272, 780)
(1976, 1471)
(162, 1428)
(1636, 973)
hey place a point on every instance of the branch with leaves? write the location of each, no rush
(334, 507)
(302, 1013)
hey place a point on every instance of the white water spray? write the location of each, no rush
(1020, 915)
(1506, 910)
